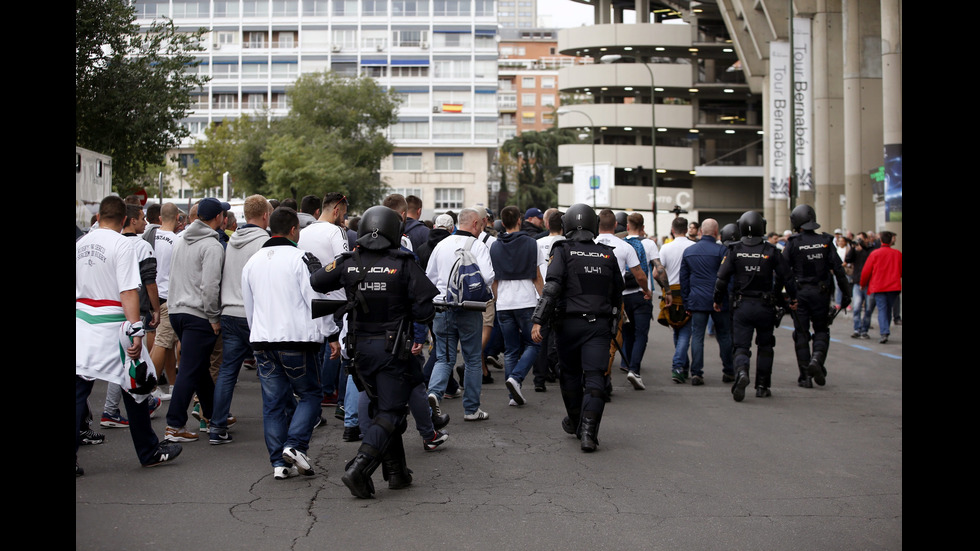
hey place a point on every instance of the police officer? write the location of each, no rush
(759, 272)
(386, 291)
(582, 298)
(813, 259)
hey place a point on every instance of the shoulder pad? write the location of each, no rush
(399, 253)
(827, 236)
(793, 236)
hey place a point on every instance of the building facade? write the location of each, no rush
(439, 56)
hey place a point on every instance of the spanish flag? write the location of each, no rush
(452, 107)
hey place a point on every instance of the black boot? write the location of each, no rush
(357, 476)
(815, 368)
(573, 407)
(393, 467)
(590, 432)
(440, 421)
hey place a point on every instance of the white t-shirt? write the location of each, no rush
(544, 252)
(625, 254)
(326, 241)
(164, 251)
(444, 256)
(671, 256)
(105, 265)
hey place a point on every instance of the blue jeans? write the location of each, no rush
(859, 299)
(351, 400)
(723, 332)
(636, 333)
(235, 349)
(682, 342)
(283, 373)
(329, 370)
(885, 303)
(464, 328)
(516, 327)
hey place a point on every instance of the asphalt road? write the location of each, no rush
(678, 467)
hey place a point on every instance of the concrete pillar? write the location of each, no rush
(602, 12)
(828, 115)
(642, 8)
(863, 143)
(891, 83)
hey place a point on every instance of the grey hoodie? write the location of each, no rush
(242, 245)
(195, 273)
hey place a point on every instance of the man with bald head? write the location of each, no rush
(699, 270)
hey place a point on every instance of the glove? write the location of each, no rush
(312, 263)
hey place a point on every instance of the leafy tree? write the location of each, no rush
(131, 87)
(332, 140)
(534, 158)
(236, 147)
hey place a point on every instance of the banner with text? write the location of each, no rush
(788, 107)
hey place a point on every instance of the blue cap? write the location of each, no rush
(533, 212)
(210, 207)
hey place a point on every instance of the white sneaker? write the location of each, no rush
(157, 392)
(515, 390)
(478, 415)
(434, 404)
(513, 403)
(282, 473)
(636, 381)
(299, 459)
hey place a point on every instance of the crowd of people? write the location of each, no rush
(366, 315)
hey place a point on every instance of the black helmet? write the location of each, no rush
(803, 217)
(752, 227)
(730, 234)
(621, 218)
(578, 220)
(380, 228)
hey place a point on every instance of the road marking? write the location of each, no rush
(858, 346)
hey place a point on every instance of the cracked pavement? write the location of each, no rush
(678, 467)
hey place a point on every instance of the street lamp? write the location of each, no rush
(564, 111)
(613, 58)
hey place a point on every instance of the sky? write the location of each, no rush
(564, 13)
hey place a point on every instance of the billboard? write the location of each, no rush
(593, 187)
(790, 112)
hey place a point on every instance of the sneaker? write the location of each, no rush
(678, 377)
(457, 394)
(805, 381)
(636, 381)
(339, 413)
(856, 335)
(738, 390)
(697, 380)
(196, 412)
(488, 379)
(515, 389)
(113, 420)
(513, 403)
(478, 415)
(249, 364)
(165, 452)
(727, 378)
(78, 470)
(493, 361)
(159, 394)
(539, 387)
(865, 336)
(439, 437)
(321, 422)
(282, 473)
(762, 392)
(153, 403)
(330, 400)
(884, 339)
(434, 404)
(298, 458)
(181, 434)
(220, 436)
(91, 438)
(231, 421)
(352, 434)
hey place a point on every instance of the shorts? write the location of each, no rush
(490, 313)
(165, 332)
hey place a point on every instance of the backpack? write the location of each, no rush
(465, 279)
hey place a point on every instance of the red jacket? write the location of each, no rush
(883, 270)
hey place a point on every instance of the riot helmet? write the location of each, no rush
(752, 227)
(580, 223)
(621, 218)
(803, 217)
(730, 234)
(380, 228)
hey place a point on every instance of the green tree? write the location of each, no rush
(534, 158)
(234, 146)
(131, 87)
(332, 140)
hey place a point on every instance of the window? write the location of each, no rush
(224, 70)
(451, 129)
(414, 100)
(449, 199)
(409, 8)
(374, 71)
(485, 68)
(225, 101)
(150, 10)
(407, 161)
(529, 100)
(255, 39)
(484, 102)
(452, 40)
(374, 8)
(345, 7)
(316, 7)
(406, 191)
(453, 68)
(199, 102)
(225, 38)
(190, 8)
(463, 98)
(483, 41)
(285, 7)
(528, 117)
(344, 68)
(409, 39)
(410, 130)
(527, 82)
(285, 39)
(374, 40)
(256, 101)
(409, 72)
(288, 70)
(548, 100)
(255, 71)
(255, 8)
(547, 82)
(344, 38)
(486, 130)
(451, 7)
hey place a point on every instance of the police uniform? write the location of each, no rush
(759, 272)
(813, 258)
(386, 291)
(582, 296)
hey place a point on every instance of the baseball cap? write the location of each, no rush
(443, 221)
(210, 207)
(533, 212)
